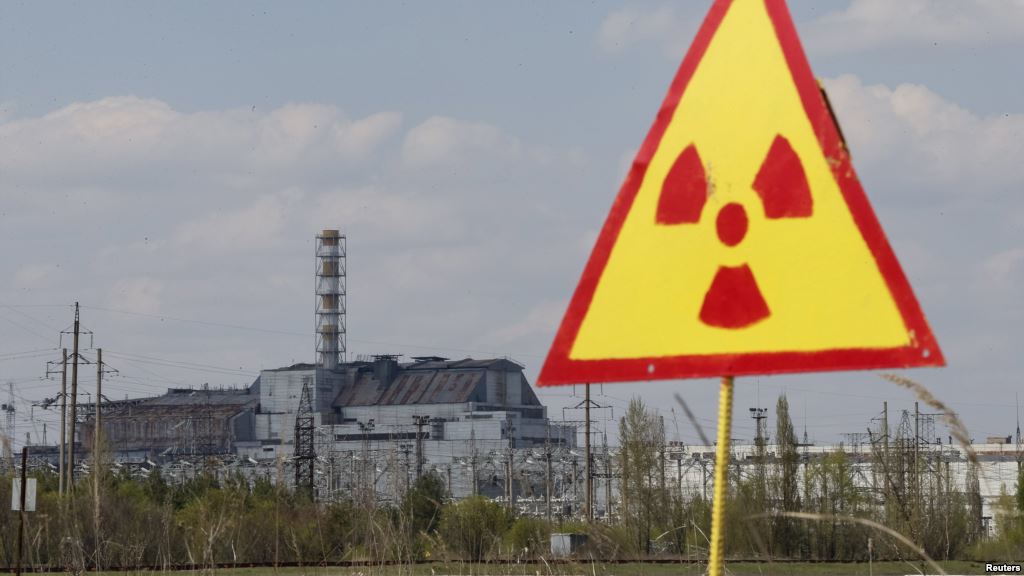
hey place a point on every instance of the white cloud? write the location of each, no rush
(140, 295)
(918, 136)
(145, 140)
(861, 25)
(631, 25)
(1004, 270)
(444, 141)
(257, 226)
(870, 24)
(32, 276)
(535, 328)
(383, 214)
(211, 214)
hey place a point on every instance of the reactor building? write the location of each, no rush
(372, 417)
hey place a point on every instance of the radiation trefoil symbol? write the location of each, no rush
(734, 300)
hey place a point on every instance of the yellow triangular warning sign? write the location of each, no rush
(741, 241)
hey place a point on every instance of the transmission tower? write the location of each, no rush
(761, 426)
(305, 454)
(588, 406)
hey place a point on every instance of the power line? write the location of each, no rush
(29, 316)
(182, 365)
(300, 334)
(37, 350)
(27, 329)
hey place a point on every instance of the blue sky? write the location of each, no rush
(172, 161)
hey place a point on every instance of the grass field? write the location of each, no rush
(633, 569)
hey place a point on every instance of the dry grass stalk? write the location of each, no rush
(862, 521)
(693, 420)
(956, 427)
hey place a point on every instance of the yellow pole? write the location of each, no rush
(716, 560)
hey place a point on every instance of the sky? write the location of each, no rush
(167, 166)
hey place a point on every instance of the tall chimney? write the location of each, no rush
(330, 298)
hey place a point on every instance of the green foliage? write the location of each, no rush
(643, 496)
(424, 502)
(209, 520)
(613, 542)
(530, 534)
(1008, 543)
(787, 533)
(1020, 488)
(473, 527)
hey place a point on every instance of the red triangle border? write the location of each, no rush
(560, 369)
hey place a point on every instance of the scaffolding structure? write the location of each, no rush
(331, 250)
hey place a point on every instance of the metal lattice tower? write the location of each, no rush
(305, 453)
(330, 298)
(761, 426)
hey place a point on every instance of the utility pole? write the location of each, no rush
(575, 484)
(8, 434)
(405, 449)
(74, 402)
(473, 459)
(63, 418)
(661, 460)
(589, 484)
(705, 475)
(679, 475)
(885, 430)
(588, 454)
(607, 477)
(21, 510)
(97, 464)
(420, 421)
(547, 478)
(368, 474)
(1020, 456)
(511, 465)
(917, 466)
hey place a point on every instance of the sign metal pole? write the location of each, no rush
(716, 560)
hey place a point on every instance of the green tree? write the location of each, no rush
(974, 504)
(787, 535)
(644, 502)
(1020, 488)
(423, 503)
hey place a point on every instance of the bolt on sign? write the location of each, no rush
(741, 241)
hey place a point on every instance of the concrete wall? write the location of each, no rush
(505, 387)
(280, 393)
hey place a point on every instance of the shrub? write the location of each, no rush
(473, 527)
(530, 534)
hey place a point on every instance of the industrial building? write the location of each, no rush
(441, 410)
(432, 410)
(183, 422)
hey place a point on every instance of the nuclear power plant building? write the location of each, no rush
(429, 412)
(488, 402)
